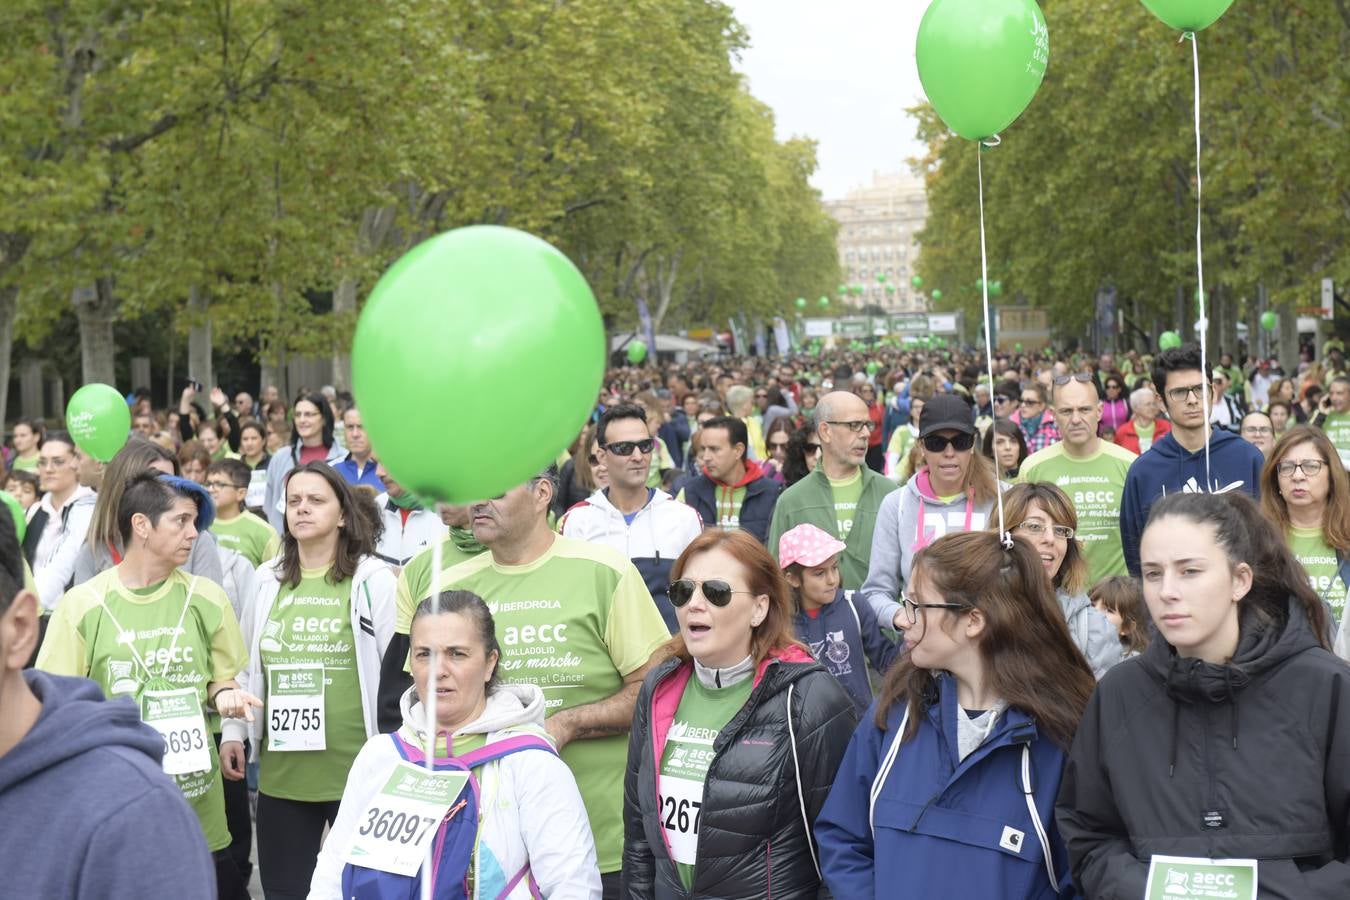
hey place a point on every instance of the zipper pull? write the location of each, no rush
(453, 811)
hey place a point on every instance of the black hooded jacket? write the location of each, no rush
(1180, 757)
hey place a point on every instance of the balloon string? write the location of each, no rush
(1200, 260)
(1004, 536)
(429, 707)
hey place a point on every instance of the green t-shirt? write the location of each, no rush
(574, 622)
(1145, 435)
(414, 582)
(846, 493)
(1337, 428)
(24, 465)
(98, 625)
(702, 713)
(729, 502)
(249, 536)
(307, 625)
(1319, 559)
(1095, 485)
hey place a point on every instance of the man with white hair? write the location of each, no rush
(842, 496)
(1144, 428)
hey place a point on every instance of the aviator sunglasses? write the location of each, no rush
(716, 590)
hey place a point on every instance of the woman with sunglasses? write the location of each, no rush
(735, 739)
(1307, 499)
(1227, 738)
(776, 438)
(953, 492)
(948, 788)
(803, 454)
(1044, 515)
(1033, 415)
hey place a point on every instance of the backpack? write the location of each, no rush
(456, 838)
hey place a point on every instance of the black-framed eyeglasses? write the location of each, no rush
(855, 426)
(1309, 467)
(937, 443)
(626, 448)
(912, 607)
(1061, 380)
(1181, 394)
(717, 591)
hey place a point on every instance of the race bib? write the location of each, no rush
(1181, 877)
(177, 716)
(399, 823)
(257, 489)
(681, 804)
(295, 708)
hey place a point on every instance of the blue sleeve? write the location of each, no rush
(881, 651)
(842, 828)
(1131, 521)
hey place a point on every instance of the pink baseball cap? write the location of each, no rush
(807, 545)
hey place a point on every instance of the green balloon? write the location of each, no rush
(936, 294)
(881, 277)
(1017, 347)
(982, 61)
(890, 289)
(824, 302)
(857, 289)
(995, 289)
(873, 368)
(1169, 340)
(917, 282)
(479, 317)
(1269, 320)
(99, 420)
(16, 510)
(801, 303)
(1188, 15)
(637, 352)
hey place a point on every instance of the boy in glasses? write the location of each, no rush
(1177, 461)
(235, 528)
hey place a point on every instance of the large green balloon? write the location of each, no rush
(801, 303)
(936, 293)
(1269, 320)
(1169, 340)
(1188, 15)
(17, 513)
(917, 282)
(981, 61)
(637, 352)
(99, 420)
(478, 320)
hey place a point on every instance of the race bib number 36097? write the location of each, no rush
(399, 822)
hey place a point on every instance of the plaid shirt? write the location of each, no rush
(1043, 436)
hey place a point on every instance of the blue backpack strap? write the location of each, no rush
(498, 749)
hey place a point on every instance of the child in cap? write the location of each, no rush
(840, 630)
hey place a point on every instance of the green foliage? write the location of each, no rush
(1095, 183)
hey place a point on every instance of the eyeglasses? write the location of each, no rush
(1061, 380)
(1036, 529)
(999, 398)
(812, 448)
(912, 607)
(856, 426)
(52, 462)
(717, 591)
(1032, 401)
(936, 443)
(224, 486)
(1257, 429)
(778, 445)
(1309, 467)
(626, 448)
(1180, 394)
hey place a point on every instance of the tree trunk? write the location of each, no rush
(96, 309)
(344, 301)
(199, 364)
(9, 302)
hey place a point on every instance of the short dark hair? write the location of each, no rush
(61, 437)
(150, 495)
(11, 562)
(734, 427)
(234, 469)
(465, 603)
(614, 414)
(1179, 359)
(35, 425)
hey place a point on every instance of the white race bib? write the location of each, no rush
(681, 805)
(396, 827)
(1182, 877)
(295, 708)
(257, 489)
(177, 716)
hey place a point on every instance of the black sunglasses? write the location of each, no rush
(716, 590)
(936, 443)
(1061, 380)
(625, 448)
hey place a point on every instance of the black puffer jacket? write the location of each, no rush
(1179, 757)
(753, 837)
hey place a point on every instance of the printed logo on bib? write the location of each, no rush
(401, 820)
(1180, 878)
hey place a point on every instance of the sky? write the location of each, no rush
(841, 72)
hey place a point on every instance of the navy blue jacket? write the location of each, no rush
(1168, 468)
(841, 636)
(761, 495)
(675, 433)
(940, 826)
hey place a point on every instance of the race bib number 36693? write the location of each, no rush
(399, 822)
(177, 716)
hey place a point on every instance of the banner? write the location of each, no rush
(761, 338)
(780, 336)
(646, 327)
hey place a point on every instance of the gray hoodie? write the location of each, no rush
(1091, 630)
(898, 537)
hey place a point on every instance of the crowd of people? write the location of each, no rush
(829, 624)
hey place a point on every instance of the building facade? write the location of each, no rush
(878, 225)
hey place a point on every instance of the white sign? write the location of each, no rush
(177, 716)
(394, 830)
(1328, 300)
(942, 322)
(818, 327)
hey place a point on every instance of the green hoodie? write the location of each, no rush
(811, 500)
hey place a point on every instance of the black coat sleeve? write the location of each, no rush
(639, 868)
(824, 719)
(232, 421)
(393, 682)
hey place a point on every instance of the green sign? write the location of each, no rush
(1190, 878)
